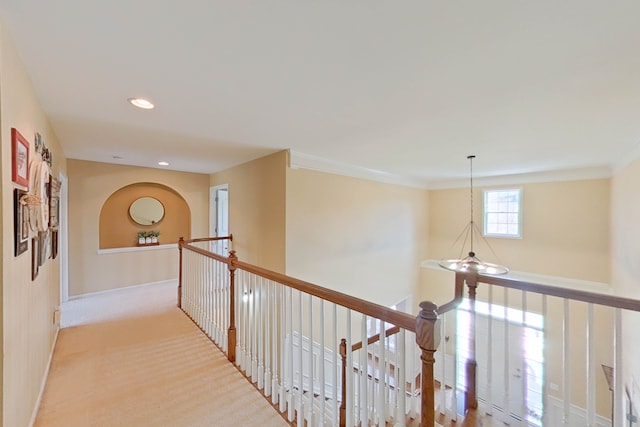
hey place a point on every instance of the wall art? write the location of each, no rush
(20, 222)
(19, 159)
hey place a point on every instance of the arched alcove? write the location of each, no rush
(118, 230)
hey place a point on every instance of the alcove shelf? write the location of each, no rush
(145, 247)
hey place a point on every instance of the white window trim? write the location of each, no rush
(484, 214)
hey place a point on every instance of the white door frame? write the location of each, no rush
(63, 238)
(221, 247)
(213, 208)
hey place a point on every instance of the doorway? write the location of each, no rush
(219, 218)
(509, 353)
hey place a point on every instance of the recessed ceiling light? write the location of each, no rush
(142, 103)
(163, 163)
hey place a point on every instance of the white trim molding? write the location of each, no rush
(555, 281)
(627, 160)
(137, 249)
(299, 160)
(600, 172)
(43, 383)
(124, 288)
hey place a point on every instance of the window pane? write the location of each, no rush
(502, 212)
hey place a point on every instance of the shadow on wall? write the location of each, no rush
(118, 229)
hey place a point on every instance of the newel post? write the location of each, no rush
(343, 404)
(428, 339)
(471, 401)
(180, 244)
(231, 333)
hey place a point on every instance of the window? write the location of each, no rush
(503, 213)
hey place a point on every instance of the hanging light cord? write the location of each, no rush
(471, 190)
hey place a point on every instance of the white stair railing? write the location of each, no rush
(287, 341)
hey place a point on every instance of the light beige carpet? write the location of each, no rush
(154, 370)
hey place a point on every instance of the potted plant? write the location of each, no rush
(142, 235)
(154, 236)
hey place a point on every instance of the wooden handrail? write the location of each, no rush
(375, 338)
(572, 294)
(209, 239)
(403, 320)
(389, 315)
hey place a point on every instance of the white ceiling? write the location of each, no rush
(404, 87)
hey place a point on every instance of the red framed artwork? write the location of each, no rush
(19, 159)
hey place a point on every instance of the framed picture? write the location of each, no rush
(35, 257)
(19, 159)
(44, 246)
(54, 244)
(20, 223)
(54, 202)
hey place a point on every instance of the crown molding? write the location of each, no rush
(626, 160)
(299, 160)
(599, 172)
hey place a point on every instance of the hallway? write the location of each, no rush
(132, 358)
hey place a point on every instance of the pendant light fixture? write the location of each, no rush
(471, 263)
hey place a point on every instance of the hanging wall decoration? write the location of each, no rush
(42, 149)
(39, 190)
(19, 158)
(35, 257)
(20, 222)
(54, 202)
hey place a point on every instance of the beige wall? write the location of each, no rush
(565, 234)
(625, 259)
(359, 237)
(90, 184)
(257, 209)
(27, 306)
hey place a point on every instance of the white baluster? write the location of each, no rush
(350, 404)
(300, 396)
(591, 368)
(255, 310)
(260, 330)
(382, 371)
(218, 307)
(321, 374)
(454, 343)
(310, 392)
(507, 367)
(523, 361)
(401, 410)
(545, 377)
(290, 396)
(618, 382)
(337, 391)
(278, 356)
(268, 332)
(490, 354)
(566, 360)
(364, 372)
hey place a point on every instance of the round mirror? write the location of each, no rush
(146, 211)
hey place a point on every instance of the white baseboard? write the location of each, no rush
(577, 415)
(43, 383)
(124, 288)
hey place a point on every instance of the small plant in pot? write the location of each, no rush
(142, 237)
(154, 236)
